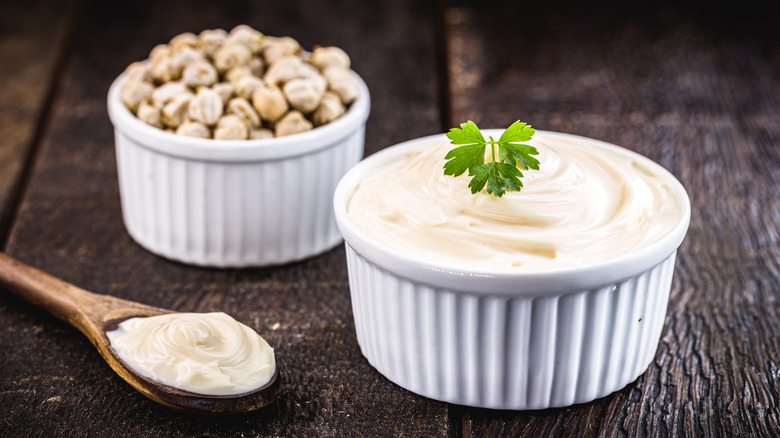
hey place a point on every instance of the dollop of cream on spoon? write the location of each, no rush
(204, 353)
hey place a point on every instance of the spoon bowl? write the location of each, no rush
(94, 315)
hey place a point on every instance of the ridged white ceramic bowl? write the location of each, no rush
(228, 203)
(505, 340)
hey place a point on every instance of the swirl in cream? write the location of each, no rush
(588, 202)
(204, 353)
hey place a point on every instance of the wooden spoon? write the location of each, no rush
(95, 314)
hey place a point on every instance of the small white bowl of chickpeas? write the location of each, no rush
(230, 145)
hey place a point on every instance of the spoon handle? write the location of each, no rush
(84, 310)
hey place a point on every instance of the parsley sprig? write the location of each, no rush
(507, 156)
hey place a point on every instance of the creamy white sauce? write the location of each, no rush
(586, 204)
(205, 353)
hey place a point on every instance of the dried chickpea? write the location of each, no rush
(270, 103)
(205, 107)
(278, 47)
(149, 114)
(237, 72)
(183, 56)
(292, 123)
(260, 133)
(139, 71)
(183, 39)
(133, 93)
(209, 40)
(320, 83)
(167, 91)
(159, 51)
(340, 81)
(247, 85)
(247, 36)
(284, 69)
(330, 109)
(302, 94)
(200, 73)
(231, 127)
(324, 57)
(243, 109)
(193, 129)
(175, 111)
(231, 55)
(162, 69)
(225, 90)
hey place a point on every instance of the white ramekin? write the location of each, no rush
(228, 203)
(530, 340)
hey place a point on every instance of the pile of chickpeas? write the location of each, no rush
(238, 85)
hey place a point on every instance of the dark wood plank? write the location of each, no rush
(54, 383)
(698, 92)
(33, 35)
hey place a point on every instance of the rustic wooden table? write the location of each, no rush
(696, 90)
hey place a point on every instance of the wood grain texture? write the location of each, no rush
(70, 225)
(33, 36)
(697, 93)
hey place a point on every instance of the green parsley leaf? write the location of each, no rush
(507, 156)
(464, 158)
(471, 154)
